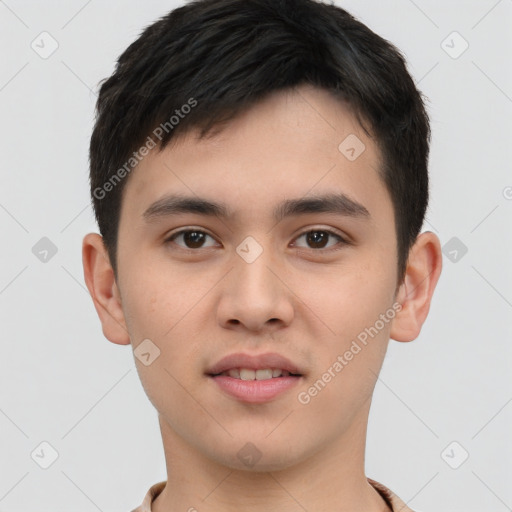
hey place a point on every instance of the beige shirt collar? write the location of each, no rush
(396, 504)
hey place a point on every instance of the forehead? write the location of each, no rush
(292, 143)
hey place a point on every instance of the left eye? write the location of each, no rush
(318, 238)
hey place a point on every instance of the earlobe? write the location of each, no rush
(101, 283)
(415, 293)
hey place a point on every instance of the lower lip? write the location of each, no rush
(255, 391)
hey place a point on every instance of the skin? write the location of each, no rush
(307, 302)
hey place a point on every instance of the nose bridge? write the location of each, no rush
(253, 278)
(254, 294)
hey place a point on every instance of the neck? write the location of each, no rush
(331, 479)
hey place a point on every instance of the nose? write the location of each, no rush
(255, 297)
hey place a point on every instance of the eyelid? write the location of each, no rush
(184, 229)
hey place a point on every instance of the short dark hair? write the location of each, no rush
(219, 57)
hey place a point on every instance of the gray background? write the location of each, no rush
(62, 382)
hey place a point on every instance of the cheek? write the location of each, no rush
(168, 308)
(162, 310)
(351, 298)
(155, 300)
(356, 305)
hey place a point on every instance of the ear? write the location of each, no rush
(415, 293)
(100, 280)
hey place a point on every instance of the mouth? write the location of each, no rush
(260, 374)
(255, 379)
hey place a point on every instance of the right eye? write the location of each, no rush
(191, 238)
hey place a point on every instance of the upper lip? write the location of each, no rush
(254, 362)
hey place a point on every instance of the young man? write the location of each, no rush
(259, 177)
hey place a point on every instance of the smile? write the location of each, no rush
(249, 374)
(254, 378)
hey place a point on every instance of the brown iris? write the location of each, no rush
(317, 239)
(193, 239)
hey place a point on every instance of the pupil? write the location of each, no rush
(194, 238)
(316, 238)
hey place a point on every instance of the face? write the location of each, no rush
(291, 264)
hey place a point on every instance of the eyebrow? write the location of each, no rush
(339, 204)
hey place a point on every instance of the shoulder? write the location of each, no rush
(153, 492)
(394, 502)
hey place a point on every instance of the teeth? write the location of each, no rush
(246, 374)
(263, 374)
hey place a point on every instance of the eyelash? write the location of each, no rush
(342, 241)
